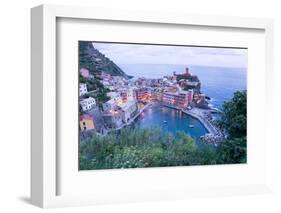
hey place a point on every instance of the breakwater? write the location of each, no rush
(214, 134)
(170, 120)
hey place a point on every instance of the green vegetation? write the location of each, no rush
(188, 87)
(138, 148)
(97, 90)
(91, 59)
(180, 77)
(192, 78)
(86, 60)
(92, 84)
(233, 117)
(233, 120)
(133, 148)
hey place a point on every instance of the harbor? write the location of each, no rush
(120, 100)
(156, 113)
(211, 134)
(170, 120)
(214, 135)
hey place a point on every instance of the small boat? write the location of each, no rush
(190, 126)
(165, 122)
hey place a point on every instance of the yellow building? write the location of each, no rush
(86, 122)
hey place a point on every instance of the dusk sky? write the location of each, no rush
(153, 54)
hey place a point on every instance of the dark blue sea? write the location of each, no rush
(170, 120)
(218, 83)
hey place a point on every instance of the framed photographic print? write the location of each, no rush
(141, 106)
(136, 106)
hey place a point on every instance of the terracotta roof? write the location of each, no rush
(85, 117)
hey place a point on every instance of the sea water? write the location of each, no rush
(218, 83)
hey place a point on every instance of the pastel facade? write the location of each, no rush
(190, 95)
(109, 105)
(127, 95)
(82, 89)
(115, 100)
(129, 109)
(88, 103)
(115, 96)
(84, 72)
(178, 99)
(86, 123)
(154, 96)
(141, 94)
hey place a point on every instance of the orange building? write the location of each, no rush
(179, 99)
(86, 122)
(141, 94)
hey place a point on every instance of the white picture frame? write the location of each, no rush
(44, 155)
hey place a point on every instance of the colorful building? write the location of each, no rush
(82, 89)
(115, 96)
(115, 100)
(109, 105)
(154, 95)
(88, 103)
(86, 122)
(129, 110)
(179, 99)
(84, 72)
(141, 94)
(190, 94)
(127, 94)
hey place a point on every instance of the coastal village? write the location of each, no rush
(158, 113)
(126, 98)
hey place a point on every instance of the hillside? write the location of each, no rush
(93, 60)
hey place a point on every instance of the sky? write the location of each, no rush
(160, 54)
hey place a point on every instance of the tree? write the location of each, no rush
(91, 59)
(234, 122)
(85, 57)
(233, 118)
(233, 151)
(132, 147)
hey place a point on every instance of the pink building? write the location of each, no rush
(190, 94)
(180, 99)
(84, 72)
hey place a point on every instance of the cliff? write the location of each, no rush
(93, 60)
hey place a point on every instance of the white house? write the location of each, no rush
(127, 94)
(82, 89)
(115, 96)
(128, 110)
(109, 105)
(88, 103)
(130, 94)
